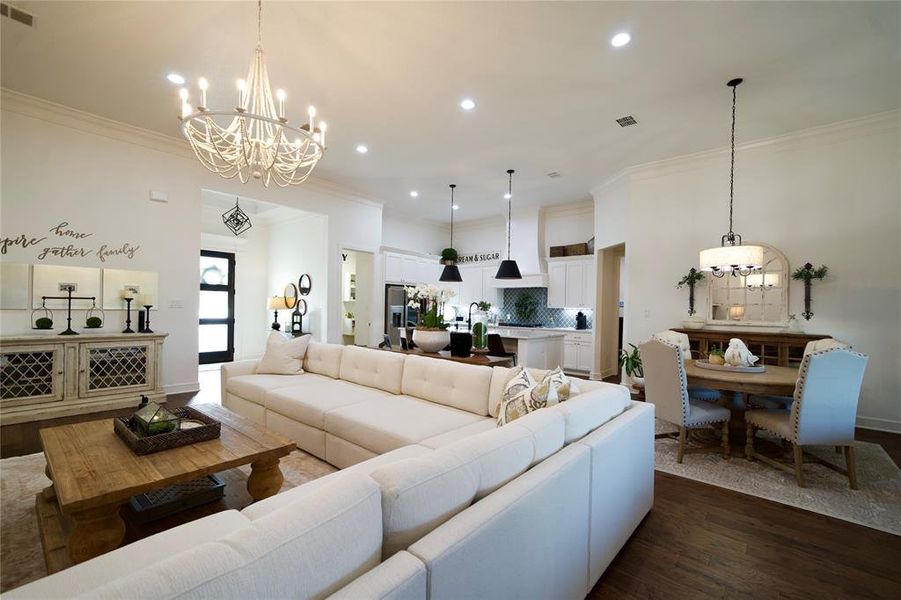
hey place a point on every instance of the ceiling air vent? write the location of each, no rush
(626, 121)
(16, 14)
(554, 175)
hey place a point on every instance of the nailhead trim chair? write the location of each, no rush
(823, 413)
(785, 402)
(666, 388)
(680, 339)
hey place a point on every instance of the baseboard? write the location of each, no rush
(879, 424)
(182, 388)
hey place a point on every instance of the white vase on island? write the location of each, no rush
(431, 340)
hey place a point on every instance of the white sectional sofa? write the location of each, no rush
(433, 500)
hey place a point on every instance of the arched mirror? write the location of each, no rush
(760, 298)
(301, 307)
(305, 284)
(290, 295)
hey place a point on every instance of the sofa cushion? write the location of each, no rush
(449, 383)
(589, 410)
(84, 577)
(547, 429)
(254, 387)
(443, 439)
(309, 403)
(372, 368)
(401, 577)
(282, 499)
(420, 493)
(384, 424)
(283, 356)
(324, 359)
(313, 548)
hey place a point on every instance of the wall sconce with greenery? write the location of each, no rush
(690, 279)
(807, 274)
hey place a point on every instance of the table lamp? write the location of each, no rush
(277, 303)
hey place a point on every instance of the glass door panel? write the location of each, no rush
(216, 329)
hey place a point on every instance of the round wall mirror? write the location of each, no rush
(290, 295)
(305, 284)
(301, 306)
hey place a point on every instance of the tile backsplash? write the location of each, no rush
(548, 317)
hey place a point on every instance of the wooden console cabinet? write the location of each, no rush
(49, 376)
(777, 348)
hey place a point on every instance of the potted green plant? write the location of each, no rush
(807, 274)
(431, 334)
(716, 356)
(630, 362)
(449, 256)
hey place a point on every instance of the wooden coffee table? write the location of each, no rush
(94, 473)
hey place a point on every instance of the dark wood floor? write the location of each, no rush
(702, 541)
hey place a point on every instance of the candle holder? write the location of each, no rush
(147, 328)
(128, 328)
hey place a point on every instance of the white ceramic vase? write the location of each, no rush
(431, 340)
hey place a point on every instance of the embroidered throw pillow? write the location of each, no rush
(559, 387)
(283, 356)
(514, 403)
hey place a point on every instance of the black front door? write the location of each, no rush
(216, 332)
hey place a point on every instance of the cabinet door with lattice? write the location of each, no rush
(111, 367)
(31, 374)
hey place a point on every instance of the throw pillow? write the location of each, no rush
(283, 356)
(559, 387)
(514, 402)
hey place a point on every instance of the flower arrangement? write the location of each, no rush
(431, 300)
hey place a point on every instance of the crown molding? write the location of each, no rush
(831, 132)
(66, 116)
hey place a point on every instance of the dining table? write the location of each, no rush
(773, 381)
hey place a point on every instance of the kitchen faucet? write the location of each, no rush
(469, 318)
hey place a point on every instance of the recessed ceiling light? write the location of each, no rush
(362, 149)
(620, 39)
(175, 78)
(468, 104)
(456, 207)
(414, 194)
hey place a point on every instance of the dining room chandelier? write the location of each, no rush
(731, 256)
(254, 140)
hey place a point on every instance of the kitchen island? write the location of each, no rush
(534, 348)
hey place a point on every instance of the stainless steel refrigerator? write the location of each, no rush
(397, 313)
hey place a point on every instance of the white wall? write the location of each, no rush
(828, 196)
(61, 164)
(568, 224)
(413, 234)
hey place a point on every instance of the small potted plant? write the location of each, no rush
(807, 274)
(431, 334)
(449, 256)
(630, 362)
(716, 356)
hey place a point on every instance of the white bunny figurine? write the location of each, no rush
(738, 355)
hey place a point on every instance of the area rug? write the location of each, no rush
(876, 504)
(21, 558)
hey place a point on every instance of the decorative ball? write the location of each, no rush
(94, 323)
(44, 323)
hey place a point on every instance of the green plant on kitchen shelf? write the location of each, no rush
(630, 362)
(349, 315)
(449, 256)
(483, 305)
(526, 306)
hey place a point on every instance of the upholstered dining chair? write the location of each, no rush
(823, 413)
(786, 401)
(680, 339)
(666, 387)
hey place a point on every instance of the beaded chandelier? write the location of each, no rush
(254, 139)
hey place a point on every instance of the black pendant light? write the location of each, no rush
(509, 269)
(451, 273)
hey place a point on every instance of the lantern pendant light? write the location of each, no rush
(508, 268)
(451, 273)
(732, 256)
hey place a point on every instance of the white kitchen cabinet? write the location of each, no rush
(394, 268)
(578, 352)
(478, 284)
(556, 287)
(571, 283)
(570, 355)
(410, 270)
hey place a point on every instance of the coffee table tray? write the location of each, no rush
(209, 429)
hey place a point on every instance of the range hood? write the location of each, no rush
(526, 247)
